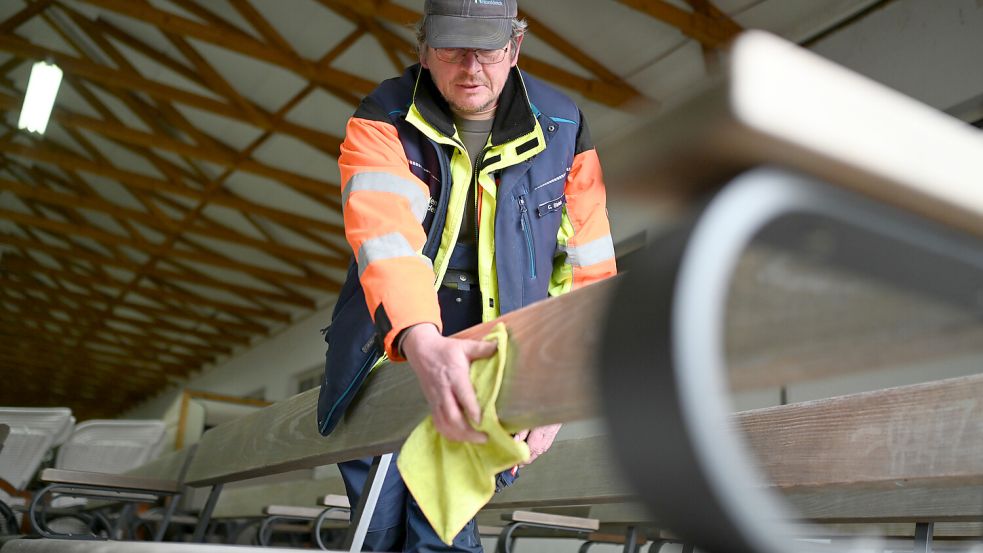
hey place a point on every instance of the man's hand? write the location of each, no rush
(539, 440)
(442, 366)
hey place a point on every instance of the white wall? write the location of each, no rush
(272, 364)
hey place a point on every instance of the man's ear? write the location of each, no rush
(423, 56)
(518, 44)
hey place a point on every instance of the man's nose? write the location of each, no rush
(470, 62)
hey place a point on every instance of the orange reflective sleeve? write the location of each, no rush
(590, 251)
(384, 205)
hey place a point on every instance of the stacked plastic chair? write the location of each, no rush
(32, 432)
(95, 446)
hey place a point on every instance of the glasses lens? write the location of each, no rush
(451, 55)
(457, 55)
(490, 56)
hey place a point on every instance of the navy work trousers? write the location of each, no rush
(398, 524)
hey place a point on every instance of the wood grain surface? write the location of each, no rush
(550, 381)
(117, 481)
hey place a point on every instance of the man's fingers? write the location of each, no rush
(521, 436)
(479, 349)
(464, 393)
(453, 425)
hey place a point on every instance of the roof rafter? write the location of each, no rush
(710, 31)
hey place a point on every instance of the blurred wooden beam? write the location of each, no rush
(711, 32)
(30, 10)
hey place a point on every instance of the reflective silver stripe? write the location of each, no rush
(386, 182)
(590, 253)
(386, 246)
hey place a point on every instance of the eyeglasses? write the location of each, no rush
(457, 55)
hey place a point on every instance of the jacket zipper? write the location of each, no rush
(435, 232)
(527, 231)
(477, 164)
(369, 361)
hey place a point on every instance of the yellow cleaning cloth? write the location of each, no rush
(452, 480)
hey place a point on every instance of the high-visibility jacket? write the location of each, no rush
(542, 227)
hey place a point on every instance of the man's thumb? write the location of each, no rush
(481, 349)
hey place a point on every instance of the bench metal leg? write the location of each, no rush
(316, 530)
(505, 540)
(362, 515)
(168, 513)
(631, 537)
(923, 537)
(206, 514)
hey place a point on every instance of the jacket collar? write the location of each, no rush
(514, 117)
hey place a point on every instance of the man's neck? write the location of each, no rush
(478, 116)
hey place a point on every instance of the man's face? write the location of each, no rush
(471, 89)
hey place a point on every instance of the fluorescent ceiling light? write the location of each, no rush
(40, 98)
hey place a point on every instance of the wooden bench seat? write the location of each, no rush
(547, 519)
(116, 481)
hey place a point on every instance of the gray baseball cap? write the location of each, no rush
(478, 24)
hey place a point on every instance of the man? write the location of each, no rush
(469, 190)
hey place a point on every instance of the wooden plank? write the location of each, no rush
(941, 531)
(336, 500)
(126, 482)
(532, 394)
(929, 434)
(908, 502)
(284, 437)
(293, 511)
(575, 523)
(866, 137)
(573, 472)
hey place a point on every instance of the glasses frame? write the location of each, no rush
(457, 55)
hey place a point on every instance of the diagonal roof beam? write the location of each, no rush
(164, 250)
(29, 11)
(702, 28)
(132, 81)
(123, 133)
(153, 184)
(61, 199)
(327, 77)
(162, 273)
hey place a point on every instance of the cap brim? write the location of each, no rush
(446, 31)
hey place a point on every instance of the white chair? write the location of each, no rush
(111, 446)
(32, 433)
(94, 449)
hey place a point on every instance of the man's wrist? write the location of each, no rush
(417, 330)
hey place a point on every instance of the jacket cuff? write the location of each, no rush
(390, 324)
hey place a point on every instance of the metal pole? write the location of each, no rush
(362, 515)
